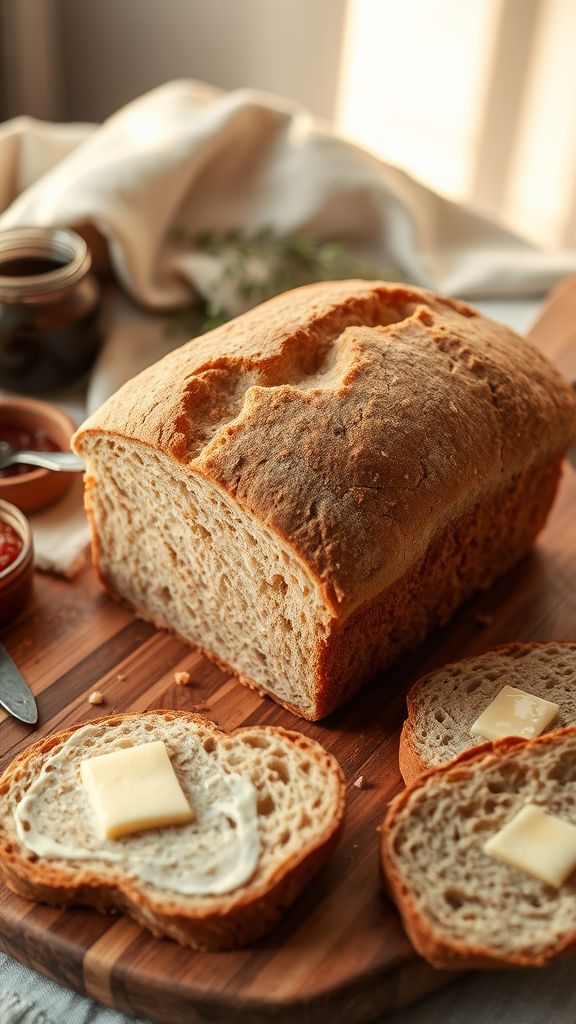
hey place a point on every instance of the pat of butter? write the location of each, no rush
(538, 843)
(134, 788)
(514, 713)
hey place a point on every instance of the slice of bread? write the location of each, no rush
(443, 705)
(462, 908)
(298, 802)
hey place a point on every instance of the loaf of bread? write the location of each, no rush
(443, 706)
(306, 491)
(182, 881)
(462, 907)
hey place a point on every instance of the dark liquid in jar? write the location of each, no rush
(25, 439)
(49, 337)
(29, 266)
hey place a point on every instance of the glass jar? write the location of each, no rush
(49, 309)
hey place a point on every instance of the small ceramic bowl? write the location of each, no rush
(38, 487)
(16, 578)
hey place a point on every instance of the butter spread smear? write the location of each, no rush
(215, 853)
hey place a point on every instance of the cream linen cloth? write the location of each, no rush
(187, 158)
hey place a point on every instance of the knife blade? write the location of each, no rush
(15, 694)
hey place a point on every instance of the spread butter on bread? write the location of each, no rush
(267, 809)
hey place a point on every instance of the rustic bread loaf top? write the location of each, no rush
(354, 419)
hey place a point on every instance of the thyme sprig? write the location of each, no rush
(256, 266)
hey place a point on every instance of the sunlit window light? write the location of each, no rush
(411, 81)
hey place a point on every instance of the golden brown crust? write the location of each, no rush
(353, 419)
(410, 762)
(468, 555)
(410, 755)
(239, 919)
(424, 936)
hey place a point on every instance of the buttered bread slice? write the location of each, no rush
(480, 855)
(519, 689)
(222, 832)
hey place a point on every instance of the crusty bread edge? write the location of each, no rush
(410, 759)
(242, 921)
(424, 937)
(411, 764)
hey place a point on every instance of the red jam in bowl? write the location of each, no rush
(25, 439)
(10, 545)
(16, 561)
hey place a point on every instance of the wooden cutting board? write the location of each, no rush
(341, 952)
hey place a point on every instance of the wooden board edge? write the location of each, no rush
(360, 1001)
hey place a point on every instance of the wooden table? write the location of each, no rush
(341, 954)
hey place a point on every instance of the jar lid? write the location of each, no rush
(62, 246)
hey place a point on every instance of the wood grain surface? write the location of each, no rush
(341, 954)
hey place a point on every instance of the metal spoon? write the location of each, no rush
(61, 462)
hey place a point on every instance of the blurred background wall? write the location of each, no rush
(477, 98)
(106, 52)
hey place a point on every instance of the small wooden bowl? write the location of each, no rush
(16, 578)
(40, 487)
